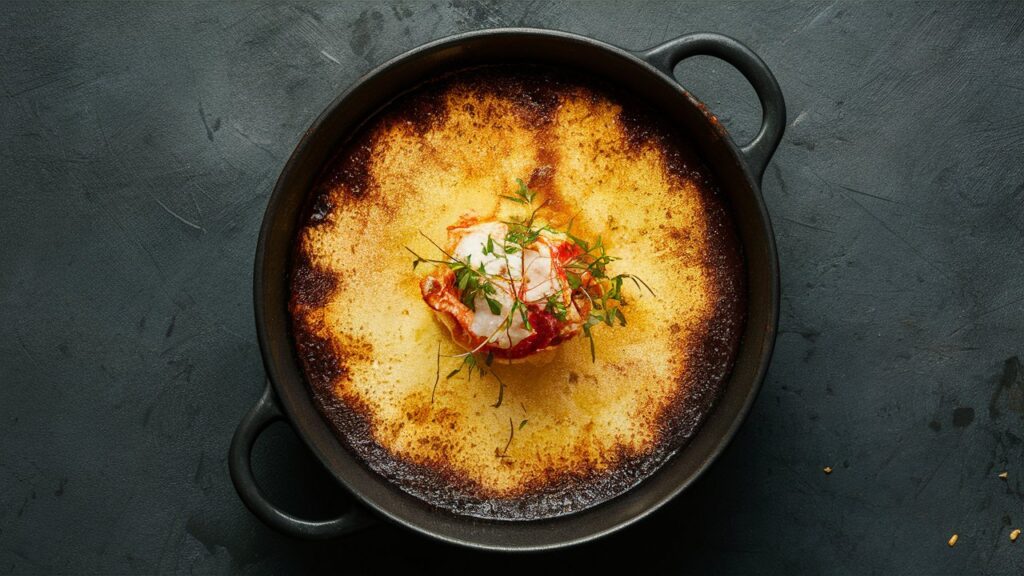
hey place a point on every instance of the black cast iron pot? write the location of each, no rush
(648, 75)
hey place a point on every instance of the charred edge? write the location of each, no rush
(556, 493)
(348, 171)
(352, 424)
(710, 357)
(536, 95)
(323, 363)
(422, 109)
(533, 91)
(354, 172)
(320, 208)
(642, 129)
(311, 285)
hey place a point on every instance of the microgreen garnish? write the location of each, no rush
(469, 363)
(523, 194)
(586, 274)
(501, 391)
(511, 434)
(556, 307)
(437, 378)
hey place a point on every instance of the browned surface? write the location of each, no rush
(368, 343)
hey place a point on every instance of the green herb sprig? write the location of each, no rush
(586, 274)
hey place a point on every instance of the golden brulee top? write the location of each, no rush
(555, 431)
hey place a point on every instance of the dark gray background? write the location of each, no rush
(139, 143)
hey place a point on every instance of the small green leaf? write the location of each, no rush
(523, 423)
(574, 280)
(526, 320)
(494, 305)
(590, 336)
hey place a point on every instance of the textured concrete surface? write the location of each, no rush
(139, 143)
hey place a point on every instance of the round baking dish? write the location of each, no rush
(648, 74)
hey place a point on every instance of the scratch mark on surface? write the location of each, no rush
(869, 195)
(978, 318)
(931, 475)
(946, 352)
(897, 235)
(24, 348)
(888, 460)
(820, 17)
(199, 211)
(478, 13)
(799, 118)
(179, 217)
(54, 79)
(805, 225)
(329, 57)
(202, 115)
(253, 142)
(881, 222)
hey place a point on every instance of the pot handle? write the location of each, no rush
(262, 415)
(773, 106)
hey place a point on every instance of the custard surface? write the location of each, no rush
(369, 345)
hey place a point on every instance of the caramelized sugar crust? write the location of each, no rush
(368, 344)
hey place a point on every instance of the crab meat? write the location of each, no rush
(532, 306)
